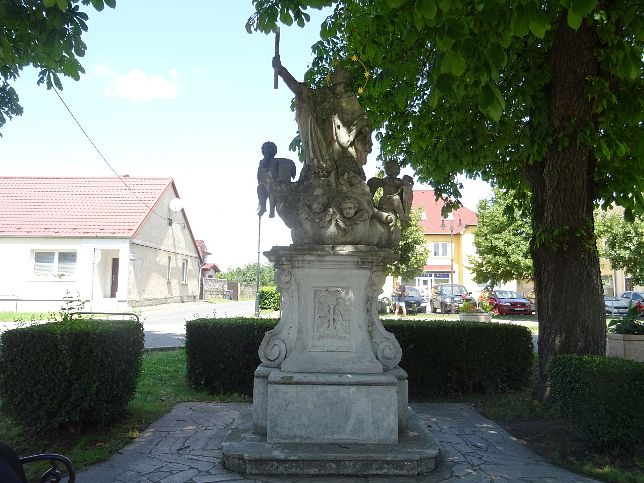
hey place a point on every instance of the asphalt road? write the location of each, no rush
(164, 325)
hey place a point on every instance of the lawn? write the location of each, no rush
(24, 316)
(162, 385)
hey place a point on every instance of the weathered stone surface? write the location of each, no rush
(415, 453)
(332, 408)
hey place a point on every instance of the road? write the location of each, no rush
(164, 325)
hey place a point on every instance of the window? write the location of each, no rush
(169, 269)
(439, 249)
(184, 271)
(54, 263)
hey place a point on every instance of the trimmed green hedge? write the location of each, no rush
(440, 357)
(603, 397)
(269, 298)
(444, 357)
(69, 373)
(222, 353)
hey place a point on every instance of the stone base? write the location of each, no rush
(330, 408)
(416, 453)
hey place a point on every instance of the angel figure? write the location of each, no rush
(396, 193)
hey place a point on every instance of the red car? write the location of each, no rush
(508, 302)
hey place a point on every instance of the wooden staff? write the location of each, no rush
(277, 54)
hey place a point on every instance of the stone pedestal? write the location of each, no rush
(329, 373)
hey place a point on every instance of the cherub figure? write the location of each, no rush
(396, 193)
(273, 174)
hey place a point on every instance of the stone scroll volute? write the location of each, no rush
(385, 345)
(278, 342)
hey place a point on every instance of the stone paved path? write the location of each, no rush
(183, 447)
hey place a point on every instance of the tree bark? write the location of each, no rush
(566, 263)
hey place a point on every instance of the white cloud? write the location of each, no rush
(136, 85)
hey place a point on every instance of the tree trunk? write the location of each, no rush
(566, 264)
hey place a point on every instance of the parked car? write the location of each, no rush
(631, 297)
(415, 301)
(449, 297)
(615, 307)
(508, 302)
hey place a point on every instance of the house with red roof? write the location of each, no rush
(113, 243)
(450, 241)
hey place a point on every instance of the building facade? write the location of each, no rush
(109, 244)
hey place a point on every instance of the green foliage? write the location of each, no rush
(630, 323)
(603, 397)
(412, 248)
(440, 357)
(269, 298)
(458, 357)
(502, 240)
(621, 242)
(464, 86)
(248, 275)
(222, 353)
(69, 373)
(46, 34)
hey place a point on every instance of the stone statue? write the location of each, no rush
(273, 178)
(334, 129)
(396, 193)
(330, 203)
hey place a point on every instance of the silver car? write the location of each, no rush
(615, 307)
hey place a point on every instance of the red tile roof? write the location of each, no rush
(77, 207)
(433, 218)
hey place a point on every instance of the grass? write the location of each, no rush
(529, 321)
(24, 316)
(162, 384)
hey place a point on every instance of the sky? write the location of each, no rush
(180, 90)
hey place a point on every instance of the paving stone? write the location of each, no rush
(184, 446)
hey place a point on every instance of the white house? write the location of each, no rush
(113, 243)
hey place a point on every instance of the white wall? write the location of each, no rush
(28, 292)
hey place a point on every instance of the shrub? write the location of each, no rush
(462, 357)
(69, 373)
(222, 353)
(603, 397)
(439, 357)
(269, 298)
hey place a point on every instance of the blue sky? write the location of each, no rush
(176, 89)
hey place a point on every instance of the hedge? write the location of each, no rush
(269, 298)
(222, 353)
(440, 357)
(69, 373)
(461, 357)
(603, 397)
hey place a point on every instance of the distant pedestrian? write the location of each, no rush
(399, 299)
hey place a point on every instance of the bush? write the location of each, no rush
(603, 397)
(222, 353)
(439, 357)
(269, 298)
(69, 373)
(461, 357)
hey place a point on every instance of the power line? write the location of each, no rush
(103, 157)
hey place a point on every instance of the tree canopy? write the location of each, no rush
(502, 241)
(621, 242)
(412, 249)
(45, 34)
(544, 97)
(461, 85)
(248, 274)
